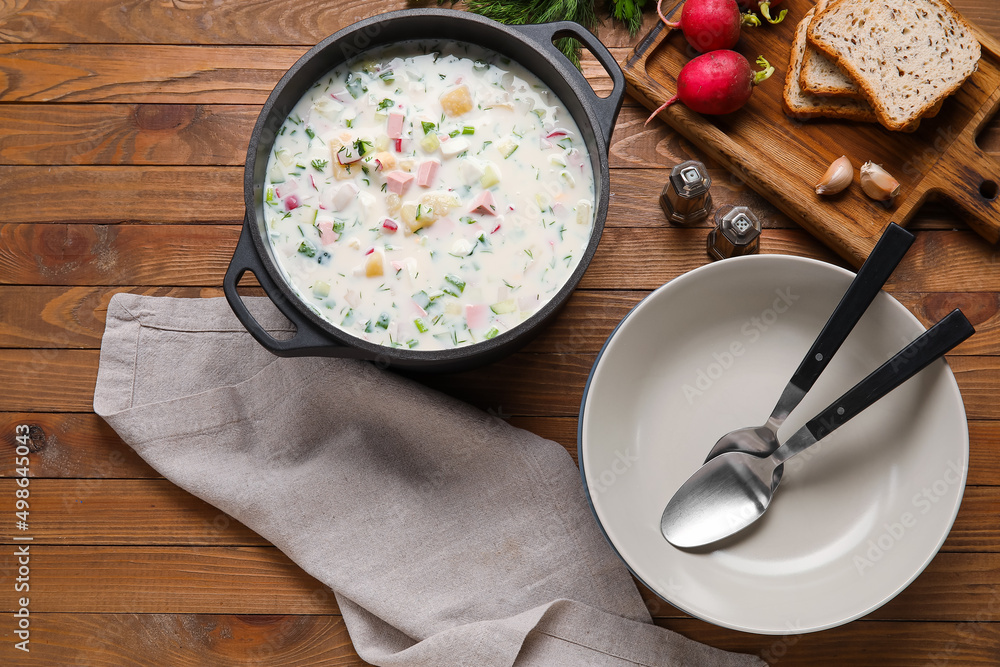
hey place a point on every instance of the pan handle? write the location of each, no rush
(605, 108)
(308, 339)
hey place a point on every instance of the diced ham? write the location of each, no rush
(344, 196)
(426, 173)
(475, 315)
(399, 182)
(484, 203)
(286, 188)
(395, 125)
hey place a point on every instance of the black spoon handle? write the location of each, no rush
(868, 282)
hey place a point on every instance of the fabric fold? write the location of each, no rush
(448, 536)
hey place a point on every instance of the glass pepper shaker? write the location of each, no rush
(736, 233)
(685, 198)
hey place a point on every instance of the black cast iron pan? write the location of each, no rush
(532, 47)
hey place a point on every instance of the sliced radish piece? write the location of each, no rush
(286, 188)
(344, 196)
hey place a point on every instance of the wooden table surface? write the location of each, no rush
(123, 129)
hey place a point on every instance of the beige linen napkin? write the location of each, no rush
(448, 536)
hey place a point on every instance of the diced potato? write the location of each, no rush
(392, 203)
(430, 208)
(375, 264)
(457, 101)
(583, 212)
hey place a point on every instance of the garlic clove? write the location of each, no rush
(838, 176)
(878, 183)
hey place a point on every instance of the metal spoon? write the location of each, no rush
(733, 490)
(762, 440)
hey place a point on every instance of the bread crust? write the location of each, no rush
(812, 61)
(885, 116)
(839, 108)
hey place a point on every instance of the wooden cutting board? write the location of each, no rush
(782, 158)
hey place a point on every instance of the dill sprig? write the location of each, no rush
(520, 12)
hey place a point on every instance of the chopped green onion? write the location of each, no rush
(492, 333)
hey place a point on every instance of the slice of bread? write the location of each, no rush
(905, 55)
(800, 104)
(820, 76)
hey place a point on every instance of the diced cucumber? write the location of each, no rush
(492, 333)
(383, 321)
(430, 143)
(504, 307)
(456, 281)
(506, 147)
(491, 176)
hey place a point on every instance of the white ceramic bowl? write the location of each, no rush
(856, 518)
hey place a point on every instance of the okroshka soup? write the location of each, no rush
(428, 195)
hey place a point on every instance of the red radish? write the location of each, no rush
(709, 25)
(765, 8)
(717, 83)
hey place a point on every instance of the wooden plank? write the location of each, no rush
(69, 317)
(198, 255)
(954, 587)
(261, 580)
(125, 134)
(142, 73)
(74, 446)
(160, 74)
(111, 194)
(83, 446)
(182, 22)
(118, 512)
(549, 385)
(185, 640)
(168, 255)
(149, 512)
(57, 317)
(276, 22)
(152, 580)
(886, 644)
(226, 640)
